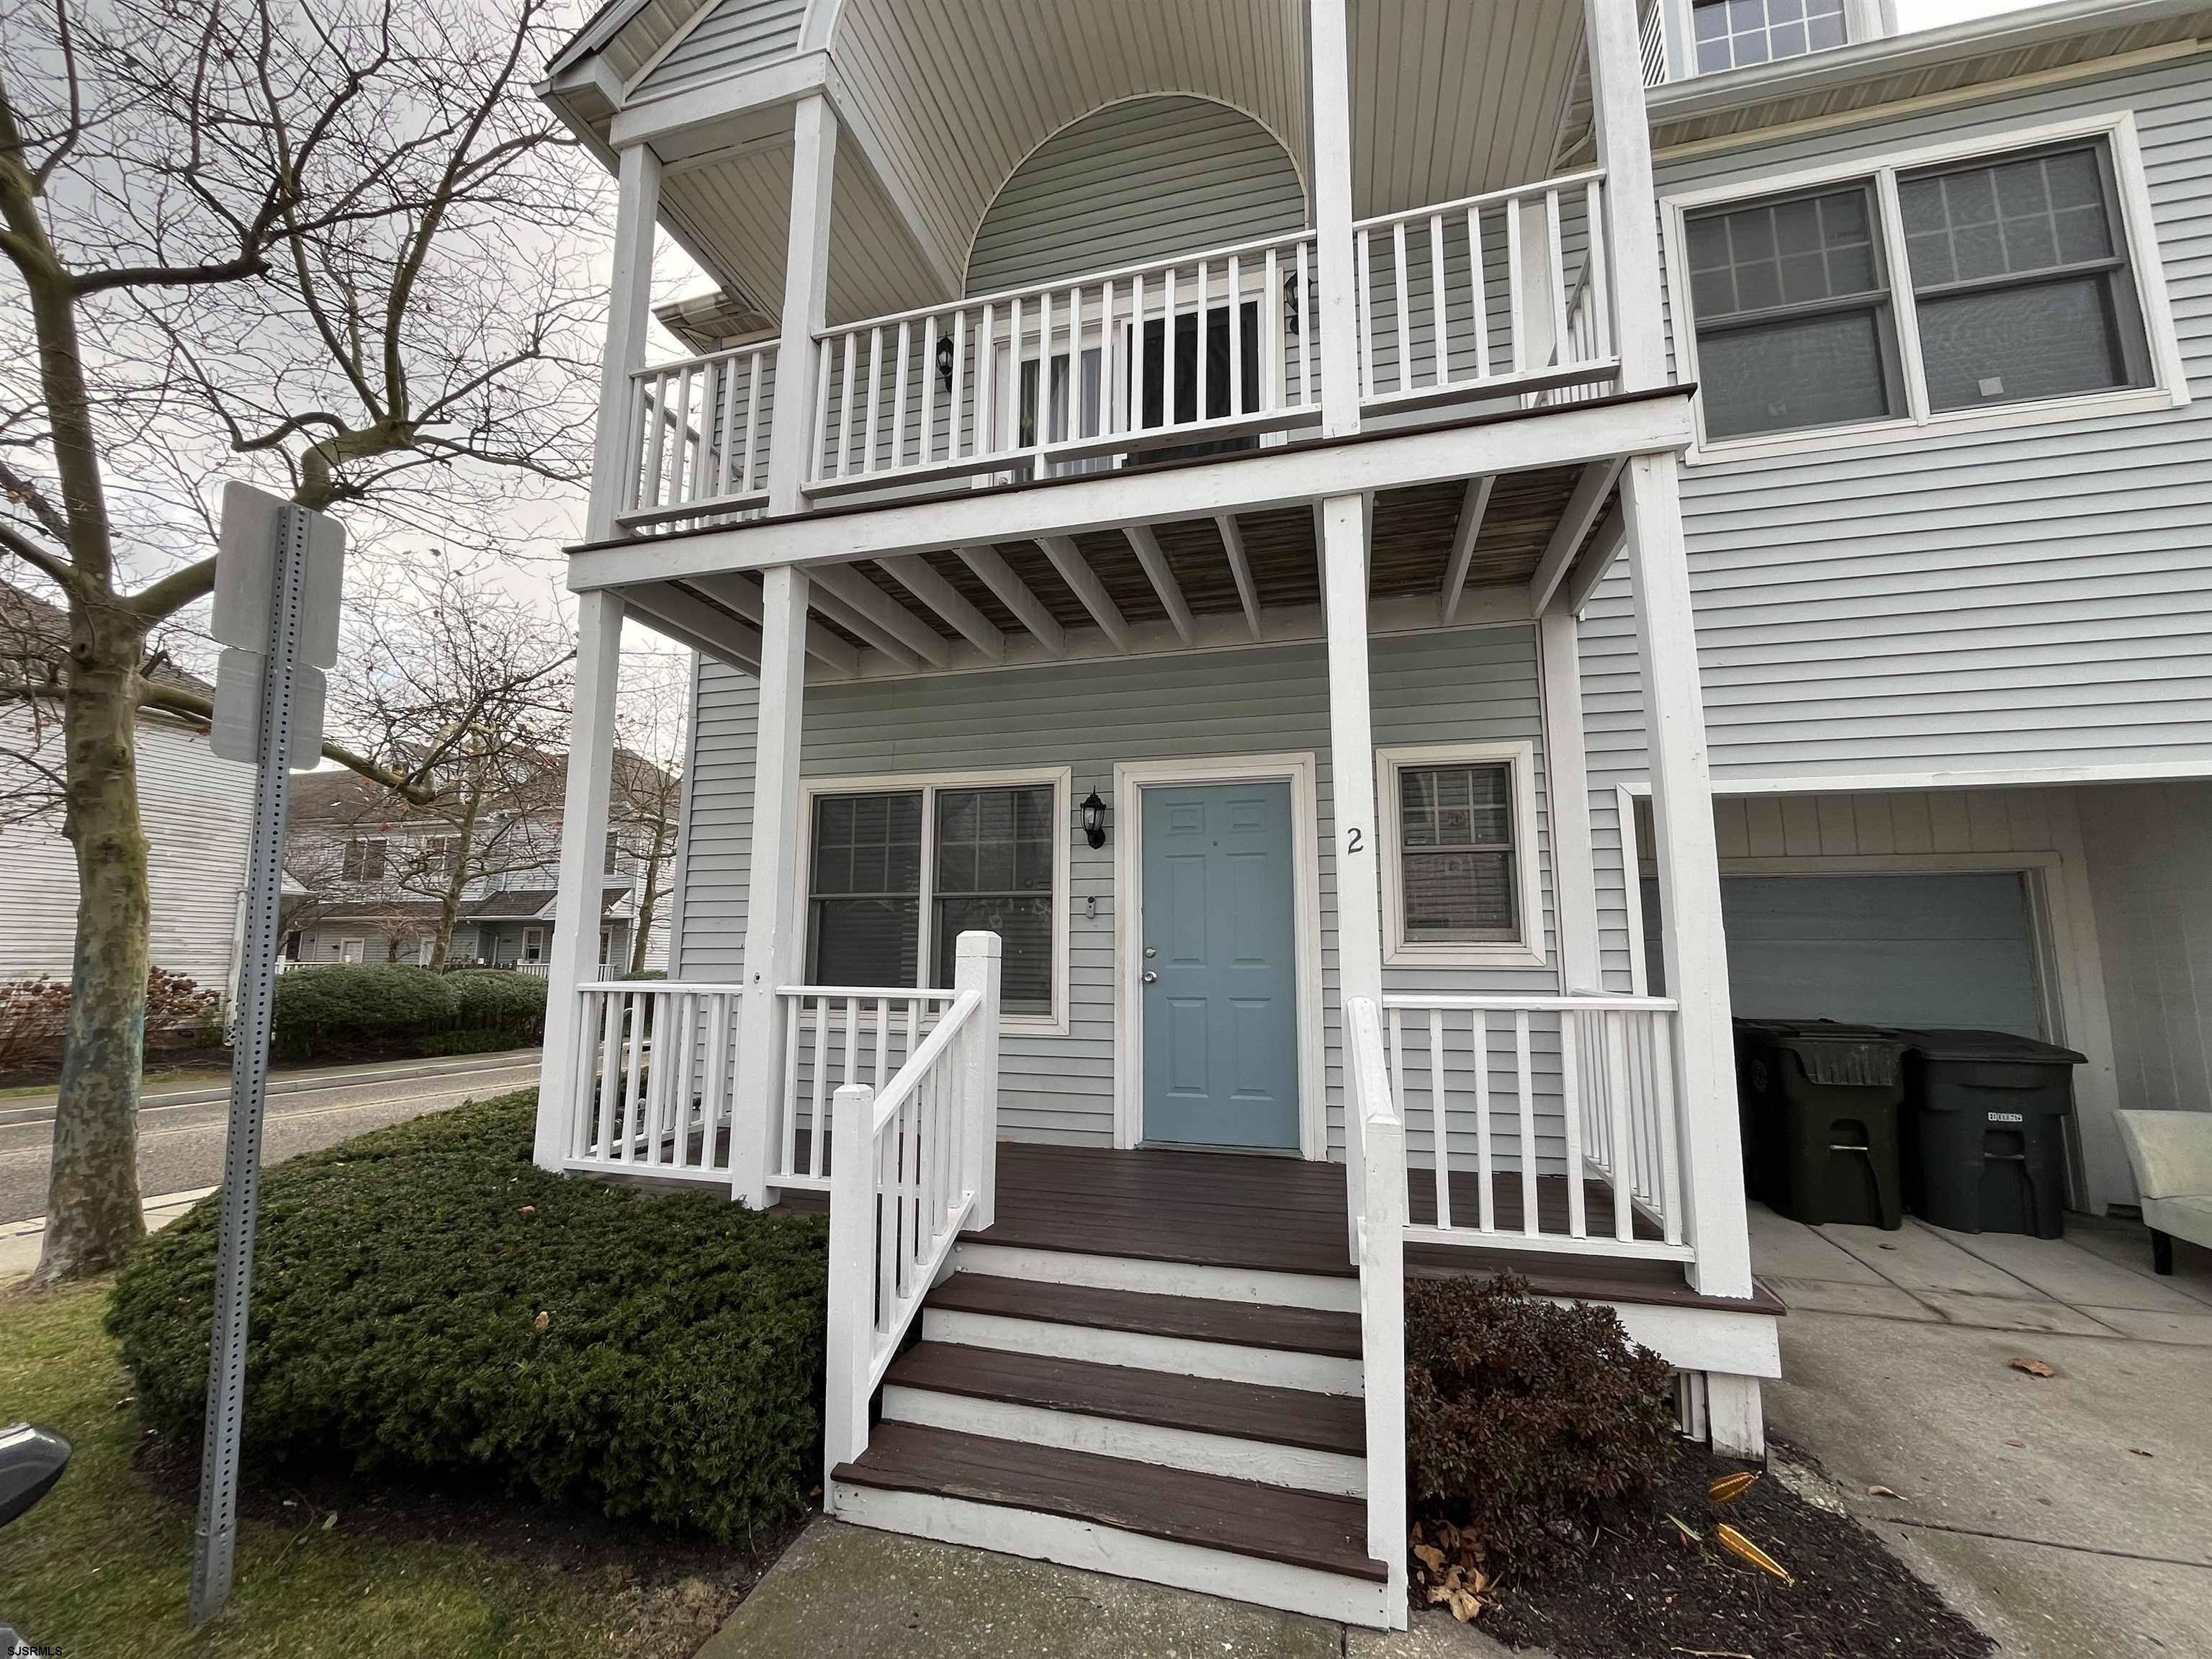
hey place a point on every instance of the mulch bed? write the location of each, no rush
(1642, 1590)
(667, 1593)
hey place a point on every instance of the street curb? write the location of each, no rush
(302, 1083)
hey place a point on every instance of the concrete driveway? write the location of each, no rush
(2068, 1514)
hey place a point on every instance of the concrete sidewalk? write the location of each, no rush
(2068, 1514)
(39, 1109)
(846, 1593)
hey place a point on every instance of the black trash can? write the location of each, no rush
(1985, 1131)
(1820, 1104)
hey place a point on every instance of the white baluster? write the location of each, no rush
(1514, 302)
(1479, 282)
(1571, 1093)
(1525, 1083)
(1485, 1168)
(1236, 339)
(928, 391)
(1623, 1163)
(898, 397)
(1365, 284)
(1405, 309)
(1439, 1114)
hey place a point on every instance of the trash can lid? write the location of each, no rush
(1834, 1054)
(1959, 1044)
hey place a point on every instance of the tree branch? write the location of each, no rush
(172, 700)
(174, 591)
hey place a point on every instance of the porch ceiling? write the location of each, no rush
(896, 618)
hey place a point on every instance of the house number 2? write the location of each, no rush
(1351, 842)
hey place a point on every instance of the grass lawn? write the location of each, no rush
(104, 1566)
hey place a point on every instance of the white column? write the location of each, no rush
(1566, 787)
(1631, 216)
(773, 934)
(1351, 749)
(630, 314)
(1329, 47)
(805, 302)
(575, 958)
(1689, 878)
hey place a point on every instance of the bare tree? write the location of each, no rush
(454, 678)
(329, 247)
(647, 791)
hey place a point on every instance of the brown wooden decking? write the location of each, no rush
(1285, 1215)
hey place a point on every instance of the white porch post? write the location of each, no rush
(1352, 750)
(772, 912)
(977, 967)
(805, 302)
(1689, 878)
(1632, 214)
(1566, 781)
(1329, 49)
(630, 314)
(575, 958)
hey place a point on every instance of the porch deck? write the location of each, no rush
(1258, 1213)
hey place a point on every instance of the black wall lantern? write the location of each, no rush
(945, 362)
(1094, 820)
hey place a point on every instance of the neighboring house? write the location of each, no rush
(1242, 611)
(196, 811)
(368, 877)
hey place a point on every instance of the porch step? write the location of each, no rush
(1288, 1347)
(1246, 1431)
(1304, 1551)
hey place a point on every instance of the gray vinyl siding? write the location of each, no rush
(2034, 598)
(1132, 182)
(741, 34)
(1471, 685)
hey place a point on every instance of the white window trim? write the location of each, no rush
(2169, 387)
(1061, 781)
(1525, 951)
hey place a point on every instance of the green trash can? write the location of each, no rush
(1985, 1131)
(1820, 1103)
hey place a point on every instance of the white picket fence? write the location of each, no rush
(926, 1168)
(1525, 1098)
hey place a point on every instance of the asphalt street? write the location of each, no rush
(180, 1144)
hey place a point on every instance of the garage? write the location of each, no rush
(1940, 949)
(1943, 948)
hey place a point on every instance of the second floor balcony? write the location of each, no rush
(1495, 300)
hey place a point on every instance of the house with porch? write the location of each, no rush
(1203, 793)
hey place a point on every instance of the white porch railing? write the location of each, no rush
(1085, 370)
(1467, 298)
(698, 437)
(832, 1037)
(1525, 1098)
(1374, 1160)
(927, 1168)
(655, 1076)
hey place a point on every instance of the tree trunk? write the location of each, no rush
(93, 1218)
(456, 878)
(648, 899)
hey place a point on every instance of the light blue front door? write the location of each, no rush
(1220, 946)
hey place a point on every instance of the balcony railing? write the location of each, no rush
(1501, 295)
(1487, 295)
(1074, 375)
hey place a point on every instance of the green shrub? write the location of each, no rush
(496, 1000)
(1526, 1420)
(345, 1009)
(399, 1284)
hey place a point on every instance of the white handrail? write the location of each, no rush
(1379, 1223)
(916, 1163)
(1509, 193)
(834, 1034)
(1507, 1004)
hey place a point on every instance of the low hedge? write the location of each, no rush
(340, 1010)
(426, 1300)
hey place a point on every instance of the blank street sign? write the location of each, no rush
(246, 576)
(235, 733)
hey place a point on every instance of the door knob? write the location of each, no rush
(1151, 977)
(1150, 951)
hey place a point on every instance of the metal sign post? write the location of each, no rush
(276, 601)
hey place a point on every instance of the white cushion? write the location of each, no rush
(2172, 1153)
(2185, 1218)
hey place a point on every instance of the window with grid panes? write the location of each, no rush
(1795, 325)
(1731, 33)
(877, 909)
(994, 868)
(2020, 281)
(1455, 852)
